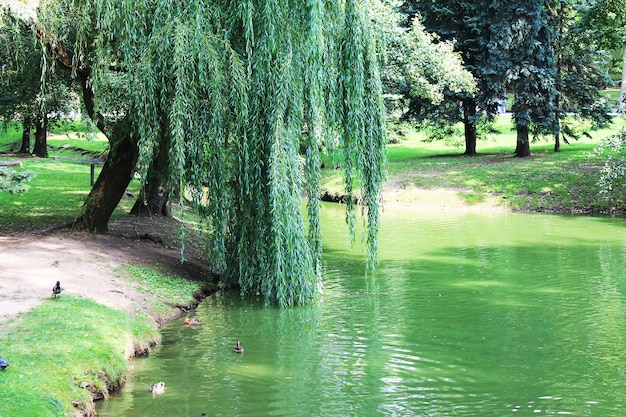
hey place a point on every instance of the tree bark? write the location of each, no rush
(111, 184)
(41, 137)
(154, 197)
(116, 172)
(469, 120)
(523, 144)
(26, 128)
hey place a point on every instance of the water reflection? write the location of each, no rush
(468, 315)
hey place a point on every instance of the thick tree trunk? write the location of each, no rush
(523, 144)
(469, 120)
(111, 184)
(622, 102)
(41, 137)
(27, 125)
(116, 172)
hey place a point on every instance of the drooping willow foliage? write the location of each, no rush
(235, 90)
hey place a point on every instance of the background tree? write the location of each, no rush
(605, 24)
(581, 71)
(23, 95)
(522, 40)
(20, 72)
(229, 89)
(417, 65)
(466, 23)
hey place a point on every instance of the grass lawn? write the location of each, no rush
(565, 181)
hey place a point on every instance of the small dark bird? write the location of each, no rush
(129, 194)
(3, 363)
(238, 348)
(56, 290)
(203, 415)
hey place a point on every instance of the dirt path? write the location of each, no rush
(86, 266)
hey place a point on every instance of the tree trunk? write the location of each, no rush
(469, 120)
(26, 128)
(154, 197)
(523, 144)
(41, 137)
(111, 184)
(622, 100)
(557, 142)
(116, 172)
(557, 136)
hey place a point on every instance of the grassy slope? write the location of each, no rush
(549, 181)
(67, 350)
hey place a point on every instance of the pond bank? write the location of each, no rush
(66, 352)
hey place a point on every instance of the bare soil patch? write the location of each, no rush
(89, 265)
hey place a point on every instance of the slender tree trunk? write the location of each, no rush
(622, 100)
(41, 137)
(469, 120)
(557, 136)
(523, 144)
(27, 125)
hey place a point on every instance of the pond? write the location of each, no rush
(467, 315)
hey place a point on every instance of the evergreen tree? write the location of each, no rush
(467, 23)
(522, 38)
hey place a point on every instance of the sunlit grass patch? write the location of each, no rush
(176, 290)
(61, 351)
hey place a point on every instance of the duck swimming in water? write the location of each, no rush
(3, 363)
(158, 388)
(192, 320)
(238, 348)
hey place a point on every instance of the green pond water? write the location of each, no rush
(467, 315)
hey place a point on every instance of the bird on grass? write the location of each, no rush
(3, 363)
(56, 290)
(158, 388)
(192, 320)
(238, 348)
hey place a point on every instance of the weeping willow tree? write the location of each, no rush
(232, 92)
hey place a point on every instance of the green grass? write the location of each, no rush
(61, 350)
(177, 291)
(565, 181)
(62, 181)
(55, 197)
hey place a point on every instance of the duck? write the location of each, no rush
(238, 348)
(192, 320)
(158, 388)
(3, 363)
(56, 290)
